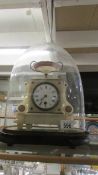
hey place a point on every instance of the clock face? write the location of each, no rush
(45, 96)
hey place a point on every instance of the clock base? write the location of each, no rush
(39, 137)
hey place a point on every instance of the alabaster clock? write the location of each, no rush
(46, 90)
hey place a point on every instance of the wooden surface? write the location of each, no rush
(51, 159)
(76, 118)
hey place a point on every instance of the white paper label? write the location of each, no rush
(66, 124)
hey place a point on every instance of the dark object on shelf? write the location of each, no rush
(90, 86)
(43, 137)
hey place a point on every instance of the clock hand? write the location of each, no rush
(43, 98)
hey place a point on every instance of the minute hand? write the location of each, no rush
(43, 99)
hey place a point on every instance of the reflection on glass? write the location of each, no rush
(37, 168)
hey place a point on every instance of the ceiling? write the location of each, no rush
(77, 18)
(76, 26)
(21, 20)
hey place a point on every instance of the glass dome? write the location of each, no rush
(45, 92)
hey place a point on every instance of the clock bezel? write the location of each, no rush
(50, 108)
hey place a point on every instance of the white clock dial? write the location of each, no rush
(45, 96)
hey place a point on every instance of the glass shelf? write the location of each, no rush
(85, 154)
